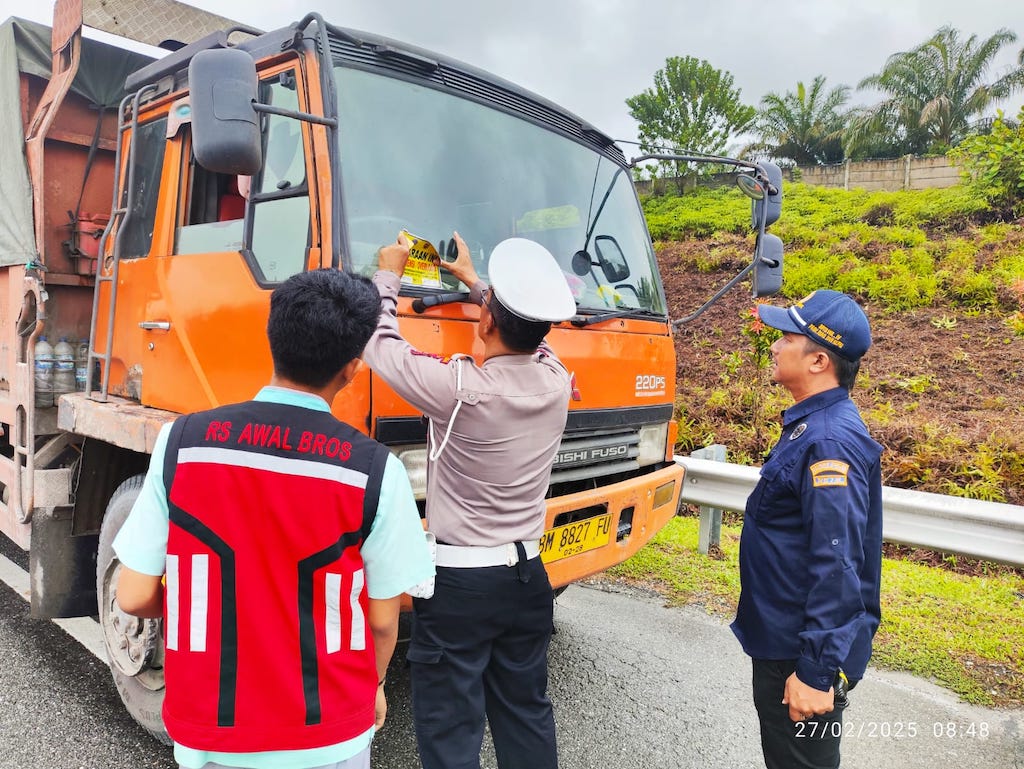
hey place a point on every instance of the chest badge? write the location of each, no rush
(798, 431)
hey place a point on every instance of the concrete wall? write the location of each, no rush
(907, 173)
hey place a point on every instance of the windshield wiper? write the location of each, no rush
(590, 320)
(433, 300)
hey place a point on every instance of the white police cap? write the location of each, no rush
(527, 280)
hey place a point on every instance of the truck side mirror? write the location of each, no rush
(226, 135)
(610, 257)
(772, 197)
(767, 276)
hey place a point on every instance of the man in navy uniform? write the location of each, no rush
(811, 547)
(479, 645)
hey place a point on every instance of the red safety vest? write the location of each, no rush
(266, 611)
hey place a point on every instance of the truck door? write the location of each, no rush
(204, 294)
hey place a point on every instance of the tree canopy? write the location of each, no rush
(933, 91)
(692, 107)
(805, 126)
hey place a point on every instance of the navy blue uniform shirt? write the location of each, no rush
(811, 547)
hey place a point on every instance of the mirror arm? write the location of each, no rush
(762, 174)
(306, 116)
(697, 159)
(721, 292)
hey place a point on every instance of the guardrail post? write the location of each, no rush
(710, 517)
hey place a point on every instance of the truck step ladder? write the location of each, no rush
(120, 215)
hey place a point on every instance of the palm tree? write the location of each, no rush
(934, 91)
(805, 127)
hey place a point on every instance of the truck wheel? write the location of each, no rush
(135, 646)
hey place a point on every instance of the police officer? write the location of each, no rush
(811, 547)
(479, 645)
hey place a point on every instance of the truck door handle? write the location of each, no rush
(155, 325)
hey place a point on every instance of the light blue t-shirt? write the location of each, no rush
(395, 557)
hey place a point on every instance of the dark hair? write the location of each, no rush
(320, 321)
(517, 333)
(846, 370)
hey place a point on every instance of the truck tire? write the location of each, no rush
(135, 647)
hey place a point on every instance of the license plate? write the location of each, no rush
(575, 538)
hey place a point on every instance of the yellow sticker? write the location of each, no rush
(829, 472)
(424, 265)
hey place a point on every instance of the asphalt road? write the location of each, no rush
(635, 685)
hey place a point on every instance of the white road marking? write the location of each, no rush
(85, 630)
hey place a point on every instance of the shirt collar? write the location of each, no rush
(289, 397)
(816, 402)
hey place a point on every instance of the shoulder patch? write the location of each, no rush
(445, 359)
(829, 472)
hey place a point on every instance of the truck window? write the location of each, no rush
(212, 214)
(214, 208)
(447, 163)
(280, 232)
(136, 233)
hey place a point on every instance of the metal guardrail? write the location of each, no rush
(971, 527)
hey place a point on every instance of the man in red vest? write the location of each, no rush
(275, 541)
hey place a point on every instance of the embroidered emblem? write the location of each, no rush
(445, 359)
(798, 431)
(826, 334)
(829, 472)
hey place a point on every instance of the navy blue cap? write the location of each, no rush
(830, 318)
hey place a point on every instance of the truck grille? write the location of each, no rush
(590, 455)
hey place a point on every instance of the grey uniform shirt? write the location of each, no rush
(488, 486)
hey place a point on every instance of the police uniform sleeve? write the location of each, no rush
(141, 544)
(424, 380)
(835, 496)
(395, 554)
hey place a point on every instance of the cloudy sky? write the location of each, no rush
(590, 55)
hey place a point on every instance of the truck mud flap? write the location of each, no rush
(62, 566)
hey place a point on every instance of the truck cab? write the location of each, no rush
(358, 138)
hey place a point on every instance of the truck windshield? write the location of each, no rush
(423, 160)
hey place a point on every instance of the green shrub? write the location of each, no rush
(994, 164)
(903, 262)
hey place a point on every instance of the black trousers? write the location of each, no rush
(811, 744)
(479, 647)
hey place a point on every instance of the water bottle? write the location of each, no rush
(44, 373)
(81, 364)
(63, 368)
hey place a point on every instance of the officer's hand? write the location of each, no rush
(392, 258)
(805, 701)
(462, 268)
(380, 709)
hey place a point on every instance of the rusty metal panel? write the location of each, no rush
(19, 533)
(67, 19)
(118, 421)
(153, 21)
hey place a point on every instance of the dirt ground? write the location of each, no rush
(942, 376)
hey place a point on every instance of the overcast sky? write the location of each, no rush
(590, 55)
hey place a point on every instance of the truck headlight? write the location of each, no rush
(414, 458)
(652, 444)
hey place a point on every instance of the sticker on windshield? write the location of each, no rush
(424, 265)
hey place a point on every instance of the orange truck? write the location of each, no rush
(151, 205)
